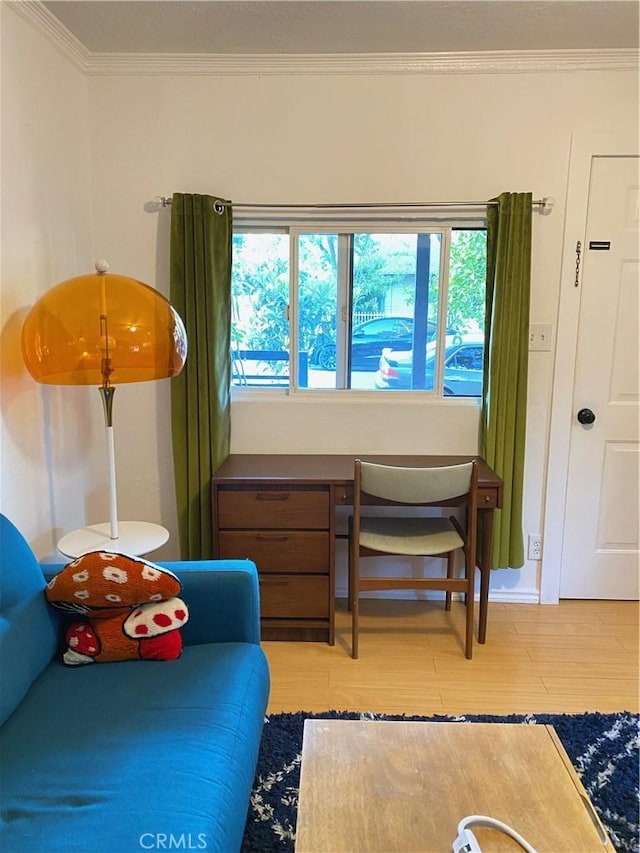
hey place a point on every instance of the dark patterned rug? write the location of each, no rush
(603, 748)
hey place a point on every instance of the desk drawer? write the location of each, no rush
(343, 495)
(278, 550)
(294, 596)
(270, 507)
(487, 498)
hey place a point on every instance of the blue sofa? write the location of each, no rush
(136, 755)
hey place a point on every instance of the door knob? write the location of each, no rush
(585, 416)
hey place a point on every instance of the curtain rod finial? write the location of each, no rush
(548, 203)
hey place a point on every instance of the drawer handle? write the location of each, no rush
(272, 537)
(273, 582)
(272, 496)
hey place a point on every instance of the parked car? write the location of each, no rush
(368, 340)
(463, 362)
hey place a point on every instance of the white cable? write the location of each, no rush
(466, 842)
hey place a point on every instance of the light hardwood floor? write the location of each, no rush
(577, 656)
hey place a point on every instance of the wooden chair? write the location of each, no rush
(413, 536)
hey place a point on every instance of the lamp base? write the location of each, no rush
(134, 538)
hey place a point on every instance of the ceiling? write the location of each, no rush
(273, 27)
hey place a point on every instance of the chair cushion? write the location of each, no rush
(412, 536)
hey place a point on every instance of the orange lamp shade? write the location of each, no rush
(103, 329)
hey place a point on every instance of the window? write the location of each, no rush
(377, 307)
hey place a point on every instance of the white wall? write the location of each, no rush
(323, 139)
(48, 475)
(347, 139)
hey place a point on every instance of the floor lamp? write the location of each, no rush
(105, 329)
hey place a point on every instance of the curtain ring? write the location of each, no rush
(218, 207)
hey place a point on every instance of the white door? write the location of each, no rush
(600, 557)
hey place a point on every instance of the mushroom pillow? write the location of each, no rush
(129, 609)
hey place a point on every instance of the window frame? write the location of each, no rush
(344, 223)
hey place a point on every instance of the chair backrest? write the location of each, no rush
(414, 485)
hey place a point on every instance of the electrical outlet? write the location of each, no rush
(540, 336)
(535, 546)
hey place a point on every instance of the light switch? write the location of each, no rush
(540, 336)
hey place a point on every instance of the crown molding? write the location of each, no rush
(36, 14)
(480, 62)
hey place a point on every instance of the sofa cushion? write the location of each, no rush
(107, 580)
(20, 572)
(28, 641)
(130, 607)
(28, 628)
(133, 755)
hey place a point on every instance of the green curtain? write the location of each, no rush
(200, 291)
(504, 404)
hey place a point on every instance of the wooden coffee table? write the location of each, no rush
(404, 786)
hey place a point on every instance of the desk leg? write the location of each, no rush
(486, 520)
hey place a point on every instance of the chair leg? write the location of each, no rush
(466, 569)
(450, 566)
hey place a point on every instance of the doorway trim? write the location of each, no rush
(583, 149)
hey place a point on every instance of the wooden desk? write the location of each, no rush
(384, 786)
(279, 511)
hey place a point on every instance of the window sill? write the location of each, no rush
(333, 397)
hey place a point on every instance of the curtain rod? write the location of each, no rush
(545, 204)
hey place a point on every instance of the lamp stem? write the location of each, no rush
(107, 393)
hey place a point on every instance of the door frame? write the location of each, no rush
(583, 148)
